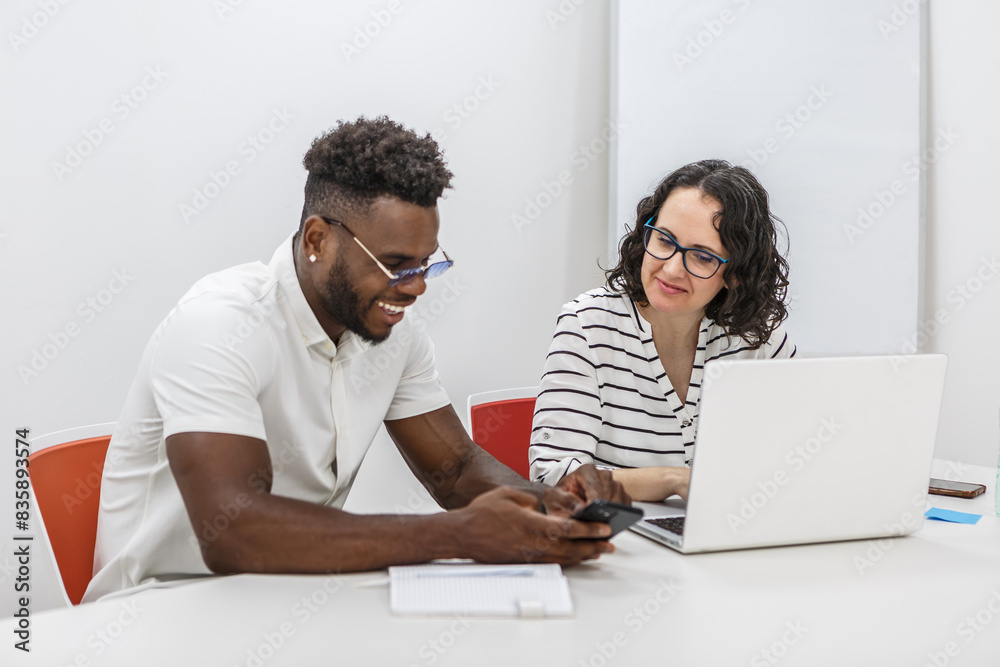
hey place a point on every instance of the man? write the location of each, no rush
(255, 403)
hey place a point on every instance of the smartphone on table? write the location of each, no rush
(616, 515)
(944, 487)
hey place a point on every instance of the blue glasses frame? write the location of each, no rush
(650, 228)
(406, 275)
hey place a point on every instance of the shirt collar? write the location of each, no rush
(282, 266)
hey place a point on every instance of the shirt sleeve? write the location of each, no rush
(208, 369)
(568, 409)
(778, 346)
(419, 390)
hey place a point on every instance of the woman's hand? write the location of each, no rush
(587, 484)
(654, 484)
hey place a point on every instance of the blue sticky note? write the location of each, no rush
(952, 516)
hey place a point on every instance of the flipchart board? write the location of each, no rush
(824, 103)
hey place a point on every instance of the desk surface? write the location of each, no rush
(930, 598)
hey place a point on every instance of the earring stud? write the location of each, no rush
(312, 258)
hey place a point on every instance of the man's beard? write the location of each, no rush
(340, 300)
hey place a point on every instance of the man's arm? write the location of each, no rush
(271, 533)
(455, 469)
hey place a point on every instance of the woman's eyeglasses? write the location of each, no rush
(661, 245)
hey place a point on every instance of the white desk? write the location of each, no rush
(643, 605)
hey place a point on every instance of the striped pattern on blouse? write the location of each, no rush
(604, 397)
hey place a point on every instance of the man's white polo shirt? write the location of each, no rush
(243, 353)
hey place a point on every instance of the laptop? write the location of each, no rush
(798, 451)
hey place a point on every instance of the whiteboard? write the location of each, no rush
(823, 102)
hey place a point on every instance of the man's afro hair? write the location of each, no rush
(356, 162)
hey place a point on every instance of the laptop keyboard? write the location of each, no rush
(674, 524)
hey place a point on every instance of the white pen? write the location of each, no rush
(466, 571)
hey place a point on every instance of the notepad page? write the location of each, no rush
(479, 590)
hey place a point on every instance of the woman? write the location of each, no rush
(699, 278)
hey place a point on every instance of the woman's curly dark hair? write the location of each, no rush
(356, 162)
(752, 303)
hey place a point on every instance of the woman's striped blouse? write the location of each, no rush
(604, 397)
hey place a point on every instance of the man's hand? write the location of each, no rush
(580, 487)
(505, 526)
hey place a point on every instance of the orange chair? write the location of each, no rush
(500, 422)
(66, 487)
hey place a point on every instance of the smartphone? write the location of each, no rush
(943, 487)
(616, 515)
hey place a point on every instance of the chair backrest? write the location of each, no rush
(500, 422)
(66, 487)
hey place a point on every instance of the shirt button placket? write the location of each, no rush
(338, 412)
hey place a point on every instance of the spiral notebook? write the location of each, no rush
(469, 589)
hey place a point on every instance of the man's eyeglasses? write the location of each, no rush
(406, 275)
(661, 245)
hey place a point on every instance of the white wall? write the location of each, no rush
(963, 288)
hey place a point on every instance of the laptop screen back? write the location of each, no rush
(812, 450)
